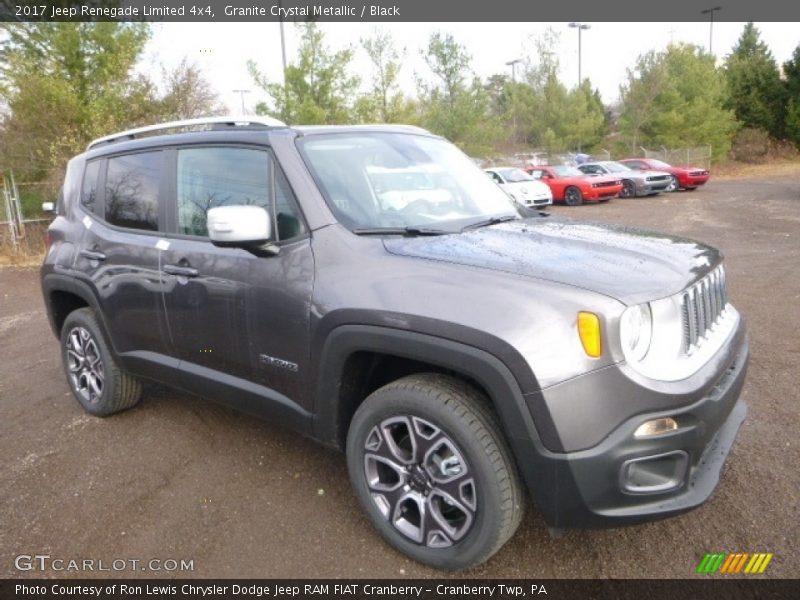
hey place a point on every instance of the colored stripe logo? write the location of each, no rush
(737, 562)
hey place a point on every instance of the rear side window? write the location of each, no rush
(132, 184)
(211, 177)
(89, 187)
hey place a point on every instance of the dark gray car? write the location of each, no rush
(459, 351)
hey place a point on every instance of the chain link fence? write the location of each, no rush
(539, 158)
(20, 235)
(699, 156)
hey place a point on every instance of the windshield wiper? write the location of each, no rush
(491, 221)
(411, 231)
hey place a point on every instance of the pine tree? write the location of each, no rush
(755, 91)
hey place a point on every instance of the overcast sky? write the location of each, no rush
(222, 49)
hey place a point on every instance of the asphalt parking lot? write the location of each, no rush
(181, 478)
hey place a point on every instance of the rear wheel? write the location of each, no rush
(431, 468)
(573, 196)
(94, 378)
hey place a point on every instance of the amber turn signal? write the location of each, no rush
(589, 331)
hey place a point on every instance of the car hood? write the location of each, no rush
(652, 172)
(533, 187)
(628, 264)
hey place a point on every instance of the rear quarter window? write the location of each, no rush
(132, 190)
(89, 187)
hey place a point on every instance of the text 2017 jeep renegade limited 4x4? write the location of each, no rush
(372, 288)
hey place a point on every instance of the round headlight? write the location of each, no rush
(636, 331)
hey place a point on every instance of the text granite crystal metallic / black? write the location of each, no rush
(372, 288)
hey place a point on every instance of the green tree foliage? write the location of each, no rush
(791, 71)
(675, 98)
(64, 84)
(319, 89)
(755, 90)
(541, 112)
(385, 103)
(456, 104)
(67, 83)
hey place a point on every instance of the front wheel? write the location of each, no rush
(573, 196)
(628, 189)
(673, 184)
(431, 468)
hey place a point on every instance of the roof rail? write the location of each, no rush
(230, 121)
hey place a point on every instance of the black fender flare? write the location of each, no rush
(59, 282)
(544, 477)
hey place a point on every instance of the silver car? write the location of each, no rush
(634, 183)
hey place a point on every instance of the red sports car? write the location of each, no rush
(571, 186)
(687, 178)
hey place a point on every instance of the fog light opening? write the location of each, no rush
(656, 427)
(654, 474)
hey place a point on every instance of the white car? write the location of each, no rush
(521, 187)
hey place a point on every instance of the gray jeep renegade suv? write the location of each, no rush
(372, 288)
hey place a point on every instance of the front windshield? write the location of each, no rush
(376, 180)
(565, 171)
(514, 175)
(615, 167)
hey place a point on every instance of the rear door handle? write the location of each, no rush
(181, 271)
(93, 255)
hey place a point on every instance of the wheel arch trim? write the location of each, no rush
(57, 282)
(519, 429)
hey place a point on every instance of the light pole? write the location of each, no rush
(283, 55)
(580, 27)
(241, 95)
(513, 64)
(710, 12)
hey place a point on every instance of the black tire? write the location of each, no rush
(674, 184)
(628, 189)
(82, 335)
(573, 196)
(450, 411)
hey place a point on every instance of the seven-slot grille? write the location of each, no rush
(701, 306)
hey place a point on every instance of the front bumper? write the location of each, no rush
(599, 487)
(537, 200)
(603, 193)
(647, 188)
(693, 180)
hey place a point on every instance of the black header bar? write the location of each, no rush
(707, 588)
(399, 10)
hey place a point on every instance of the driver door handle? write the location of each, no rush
(180, 270)
(93, 255)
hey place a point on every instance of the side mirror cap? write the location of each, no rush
(238, 225)
(49, 207)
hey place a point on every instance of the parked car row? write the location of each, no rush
(595, 181)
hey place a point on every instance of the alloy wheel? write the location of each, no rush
(419, 481)
(628, 189)
(84, 365)
(673, 183)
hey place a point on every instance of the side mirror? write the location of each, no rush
(247, 227)
(49, 207)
